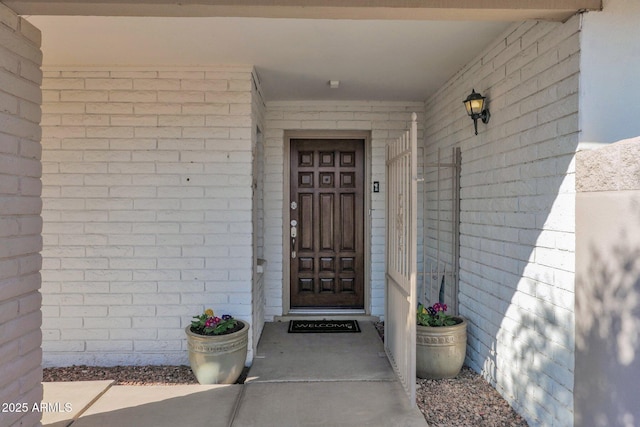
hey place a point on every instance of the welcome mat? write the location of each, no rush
(304, 326)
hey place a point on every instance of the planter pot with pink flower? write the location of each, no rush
(441, 343)
(217, 348)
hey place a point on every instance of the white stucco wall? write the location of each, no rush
(517, 212)
(608, 286)
(385, 120)
(147, 209)
(20, 222)
(609, 83)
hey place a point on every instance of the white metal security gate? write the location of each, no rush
(401, 250)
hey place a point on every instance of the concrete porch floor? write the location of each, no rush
(332, 380)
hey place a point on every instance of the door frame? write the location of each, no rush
(286, 241)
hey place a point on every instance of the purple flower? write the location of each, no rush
(226, 317)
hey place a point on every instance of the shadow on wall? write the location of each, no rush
(608, 330)
(517, 287)
(538, 358)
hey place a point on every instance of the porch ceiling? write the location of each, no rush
(391, 50)
(509, 10)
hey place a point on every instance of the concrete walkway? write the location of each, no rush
(318, 380)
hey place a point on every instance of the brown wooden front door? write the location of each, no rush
(327, 212)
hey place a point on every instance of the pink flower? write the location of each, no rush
(439, 307)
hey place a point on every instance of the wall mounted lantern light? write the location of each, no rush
(476, 109)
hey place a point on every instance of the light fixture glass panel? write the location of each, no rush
(467, 105)
(475, 105)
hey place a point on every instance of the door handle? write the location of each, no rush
(294, 233)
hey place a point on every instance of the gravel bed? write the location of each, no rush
(465, 401)
(123, 375)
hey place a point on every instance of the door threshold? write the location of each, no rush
(308, 314)
(329, 311)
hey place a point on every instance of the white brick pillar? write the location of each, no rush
(20, 222)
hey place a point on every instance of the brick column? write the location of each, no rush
(20, 222)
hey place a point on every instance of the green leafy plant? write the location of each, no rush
(209, 324)
(435, 315)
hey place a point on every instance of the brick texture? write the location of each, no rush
(148, 197)
(517, 212)
(258, 111)
(20, 221)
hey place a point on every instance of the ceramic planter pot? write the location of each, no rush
(218, 359)
(440, 350)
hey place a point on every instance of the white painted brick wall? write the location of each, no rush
(20, 221)
(385, 120)
(257, 110)
(148, 197)
(517, 212)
